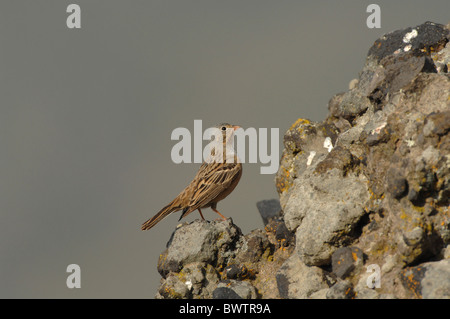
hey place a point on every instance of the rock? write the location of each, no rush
(442, 59)
(353, 104)
(338, 201)
(396, 183)
(393, 135)
(446, 252)
(235, 271)
(437, 124)
(334, 103)
(341, 290)
(200, 235)
(195, 279)
(414, 236)
(399, 70)
(190, 270)
(225, 293)
(339, 158)
(345, 259)
(419, 243)
(306, 143)
(367, 293)
(379, 134)
(305, 135)
(283, 235)
(173, 288)
(321, 294)
(221, 254)
(268, 209)
(252, 248)
(423, 38)
(327, 194)
(233, 289)
(428, 280)
(436, 282)
(280, 233)
(296, 280)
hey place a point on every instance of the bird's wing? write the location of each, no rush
(212, 179)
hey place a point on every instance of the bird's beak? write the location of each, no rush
(235, 127)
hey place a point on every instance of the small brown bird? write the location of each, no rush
(215, 180)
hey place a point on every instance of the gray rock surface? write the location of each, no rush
(346, 260)
(364, 194)
(221, 262)
(224, 235)
(330, 197)
(234, 289)
(268, 209)
(341, 290)
(429, 280)
(436, 282)
(297, 280)
(391, 153)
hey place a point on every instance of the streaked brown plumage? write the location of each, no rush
(214, 181)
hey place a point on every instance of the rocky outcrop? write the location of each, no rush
(364, 195)
(215, 260)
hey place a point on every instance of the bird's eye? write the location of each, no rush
(224, 128)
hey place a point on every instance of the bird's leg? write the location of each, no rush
(201, 213)
(224, 218)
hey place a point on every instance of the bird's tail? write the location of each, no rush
(161, 214)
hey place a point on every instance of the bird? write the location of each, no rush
(216, 178)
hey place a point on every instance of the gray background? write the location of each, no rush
(86, 117)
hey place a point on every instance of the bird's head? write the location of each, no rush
(227, 131)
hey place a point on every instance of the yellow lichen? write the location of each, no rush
(298, 122)
(404, 215)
